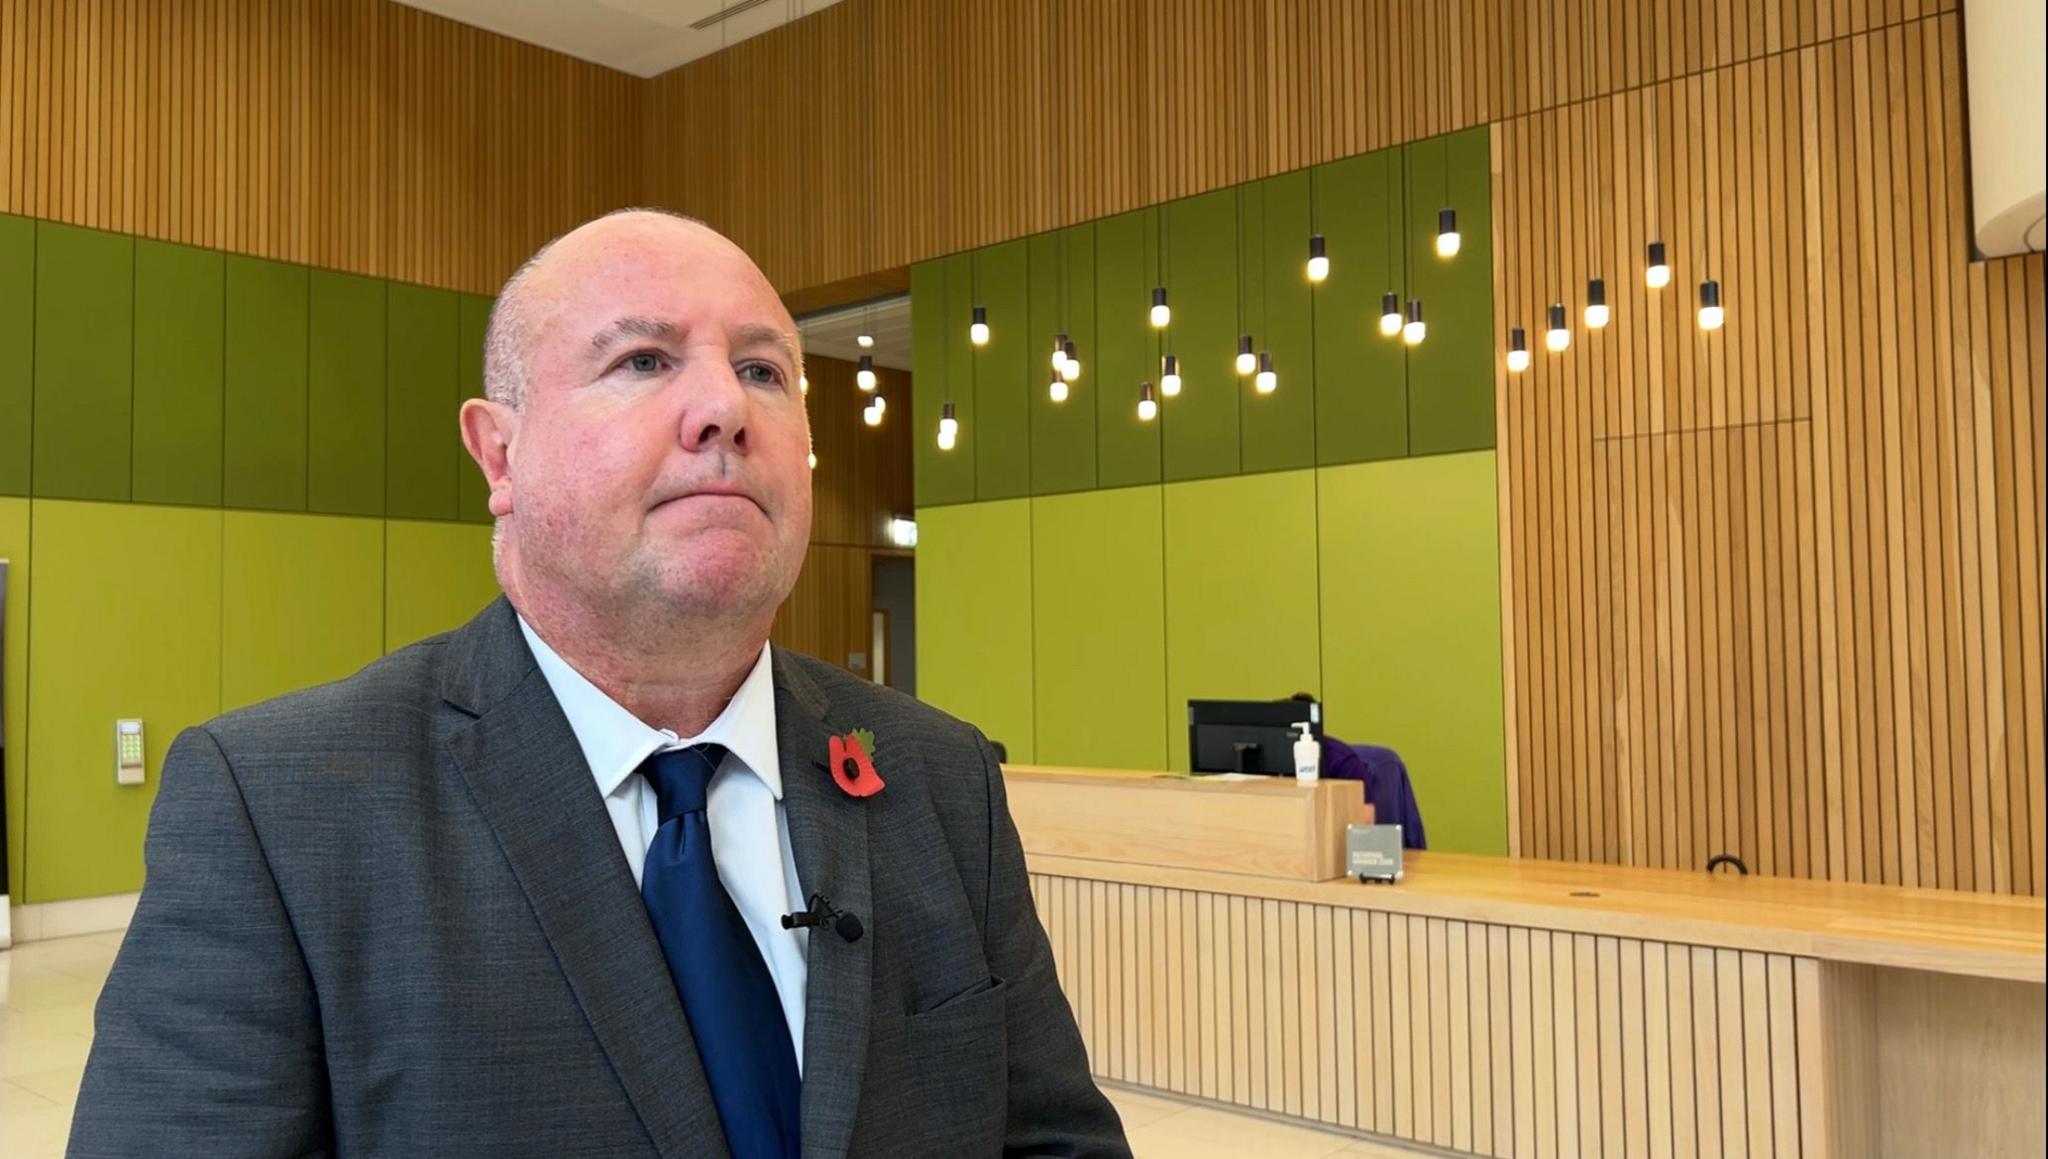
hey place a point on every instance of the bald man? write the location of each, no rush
(598, 874)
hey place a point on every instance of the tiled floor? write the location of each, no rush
(47, 990)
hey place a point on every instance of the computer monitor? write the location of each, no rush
(1247, 736)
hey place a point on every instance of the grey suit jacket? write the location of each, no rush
(390, 916)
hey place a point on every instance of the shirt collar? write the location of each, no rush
(615, 742)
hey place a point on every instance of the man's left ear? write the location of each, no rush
(487, 431)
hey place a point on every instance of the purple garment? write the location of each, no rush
(1386, 785)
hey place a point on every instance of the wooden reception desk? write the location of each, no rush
(1498, 1006)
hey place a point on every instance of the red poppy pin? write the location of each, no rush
(851, 766)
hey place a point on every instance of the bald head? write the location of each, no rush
(530, 296)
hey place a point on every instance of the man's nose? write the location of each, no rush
(714, 409)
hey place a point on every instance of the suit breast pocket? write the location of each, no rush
(943, 1074)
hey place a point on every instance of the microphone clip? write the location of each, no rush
(821, 912)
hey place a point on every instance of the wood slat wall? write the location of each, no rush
(1480, 1038)
(357, 135)
(1774, 591)
(925, 127)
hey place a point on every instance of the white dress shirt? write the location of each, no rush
(749, 830)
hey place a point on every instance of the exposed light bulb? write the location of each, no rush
(1416, 329)
(1148, 407)
(977, 331)
(1447, 239)
(1390, 313)
(803, 383)
(1557, 337)
(1169, 382)
(880, 404)
(812, 459)
(1711, 317)
(948, 440)
(865, 376)
(1161, 315)
(1267, 382)
(865, 341)
(949, 427)
(1059, 351)
(1058, 389)
(1318, 260)
(870, 415)
(1518, 350)
(1246, 360)
(1596, 303)
(1070, 367)
(1657, 274)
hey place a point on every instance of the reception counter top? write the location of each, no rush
(1494, 1005)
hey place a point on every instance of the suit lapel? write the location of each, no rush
(529, 779)
(828, 832)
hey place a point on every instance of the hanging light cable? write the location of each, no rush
(1711, 316)
(1318, 256)
(1412, 330)
(1448, 241)
(1390, 302)
(1656, 270)
(1596, 286)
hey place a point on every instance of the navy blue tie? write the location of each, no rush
(727, 992)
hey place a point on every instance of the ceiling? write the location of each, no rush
(833, 333)
(642, 37)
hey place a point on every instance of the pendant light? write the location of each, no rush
(1148, 407)
(865, 376)
(1596, 303)
(1415, 330)
(1711, 316)
(1657, 274)
(1267, 382)
(803, 383)
(1518, 350)
(1071, 368)
(1059, 351)
(1058, 389)
(1390, 313)
(1558, 336)
(1169, 380)
(1448, 240)
(949, 427)
(871, 414)
(977, 331)
(812, 459)
(864, 341)
(1246, 360)
(1318, 260)
(1161, 314)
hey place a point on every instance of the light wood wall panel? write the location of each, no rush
(881, 132)
(1474, 1037)
(1777, 590)
(358, 135)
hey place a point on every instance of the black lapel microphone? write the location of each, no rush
(823, 913)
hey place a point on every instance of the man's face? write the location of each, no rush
(659, 461)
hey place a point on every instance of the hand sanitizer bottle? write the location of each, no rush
(1308, 755)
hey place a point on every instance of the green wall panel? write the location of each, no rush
(17, 350)
(1099, 628)
(1062, 301)
(436, 577)
(265, 435)
(1241, 593)
(1450, 375)
(1125, 352)
(1411, 632)
(111, 648)
(1279, 428)
(1002, 406)
(14, 545)
(1361, 376)
(421, 396)
(974, 620)
(302, 602)
(180, 365)
(941, 476)
(84, 380)
(473, 495)
(1200, 428)
(345, 395)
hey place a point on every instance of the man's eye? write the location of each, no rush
(760, 374)
(643, 363)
